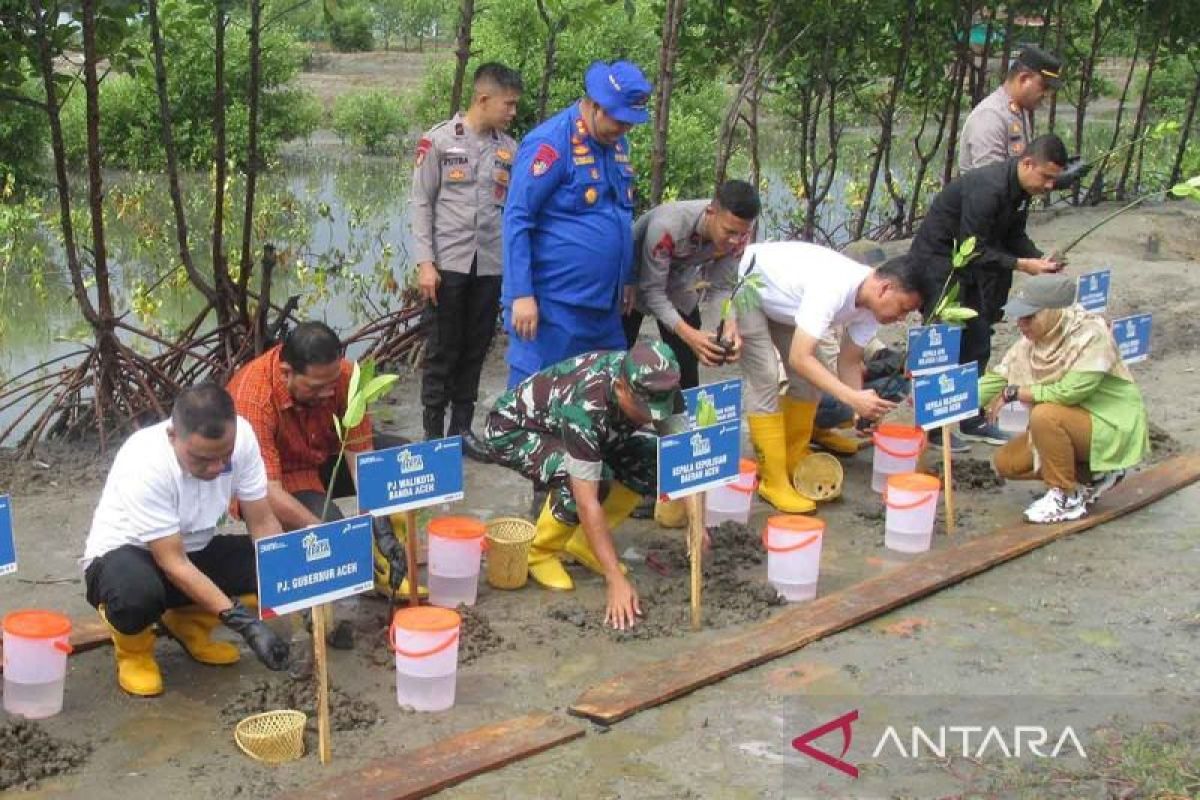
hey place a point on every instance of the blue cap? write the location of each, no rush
(620, 89)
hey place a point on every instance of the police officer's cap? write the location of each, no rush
(652, 372)
(620, 89)
(1048, 65)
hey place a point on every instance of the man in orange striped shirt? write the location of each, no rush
(290, 395)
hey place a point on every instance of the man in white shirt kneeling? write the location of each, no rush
(152, 555)
(807, 290)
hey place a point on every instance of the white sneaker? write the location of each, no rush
(1101, 483)
(1057, 506)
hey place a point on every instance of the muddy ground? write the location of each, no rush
(1107, 615)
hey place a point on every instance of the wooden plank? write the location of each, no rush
(86, 634)
(448, 762)
(655, 683)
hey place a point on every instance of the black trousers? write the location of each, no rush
(135, 591)
(459, 331)
(343, 484)
(689, 363)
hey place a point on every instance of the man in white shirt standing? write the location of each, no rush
(152, 554)
(806, 291)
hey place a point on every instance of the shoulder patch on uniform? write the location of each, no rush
(665, 248)
(543, 160)
(423, 148)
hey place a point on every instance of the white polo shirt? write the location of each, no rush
(148, 495)
(812, 288)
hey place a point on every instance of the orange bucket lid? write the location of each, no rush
(894, 430)
(426, 619)
(747, 465)
(913, 482)
(457, 527)
(34, 624)
(796, 523)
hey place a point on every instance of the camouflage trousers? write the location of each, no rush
(540, 457)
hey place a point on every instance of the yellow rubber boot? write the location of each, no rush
(798, 419)
(671, 514)
(382, 570)
(775, 484)
(544, 564)
(837, 442)
(137, 671)
(192, 627)
(619, 504)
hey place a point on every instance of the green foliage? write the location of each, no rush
(1174, 81)
(947, 309)
(130, 126)
(352, 29)
(365, 388)
(24, 137)
(373, 119)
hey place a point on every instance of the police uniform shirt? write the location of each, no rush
(672, 258)
(460, 184)
(997, 129)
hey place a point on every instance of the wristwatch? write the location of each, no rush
(1010, 392)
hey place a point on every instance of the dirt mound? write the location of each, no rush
(1162, 444)
(971, 473)
(54, 466)
(666, 601)
(347, 712)
(28, 754)
(477, 638)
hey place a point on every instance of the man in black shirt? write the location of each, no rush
(990, 203)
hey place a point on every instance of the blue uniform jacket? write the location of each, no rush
(568, 221)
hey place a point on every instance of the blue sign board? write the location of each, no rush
(410, 476)
(932, 347)
(312, 566)
(1133, 337)
(726, 397)
(8, 547)
(1093, 291)
(941, 398)
(695, 461)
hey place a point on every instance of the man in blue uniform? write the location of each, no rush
(568, 226)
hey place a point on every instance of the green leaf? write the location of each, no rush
(337, 426)
(959, 314)
(356, 409)
(378, 387)
(355, 379)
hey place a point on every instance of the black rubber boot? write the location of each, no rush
(434, 422)
(460, 424)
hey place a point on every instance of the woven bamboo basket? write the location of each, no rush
(508, 551)
(273, 736)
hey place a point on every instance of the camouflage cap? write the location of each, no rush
(653, 374)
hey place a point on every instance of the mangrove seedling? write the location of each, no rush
(947, 308)
(365, 388)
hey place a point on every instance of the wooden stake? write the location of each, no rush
(323, 744)
(410, 549)
(695, 509)
(948, 480)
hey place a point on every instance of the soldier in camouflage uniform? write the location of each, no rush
(578, 427)
(460, 184)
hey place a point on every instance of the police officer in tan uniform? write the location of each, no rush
(460, 184)
(1001, 126)
(678, 247)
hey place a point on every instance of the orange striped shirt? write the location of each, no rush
(295, 440)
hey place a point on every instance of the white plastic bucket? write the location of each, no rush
(36, 646)
(425, 641)
(747, 474)
(1013, 417)
(729, 503)
(911, 507)
(793, 545)
(897, 449)
(455, 552)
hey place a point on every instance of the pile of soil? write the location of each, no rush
(477, 637)
(28, 754)
(1162, 444)
(666, 602)
(971, 474)
(54, 465)
(347, 712)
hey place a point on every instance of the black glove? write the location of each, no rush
(270, 649)
(390, 548)
(1074, 172)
